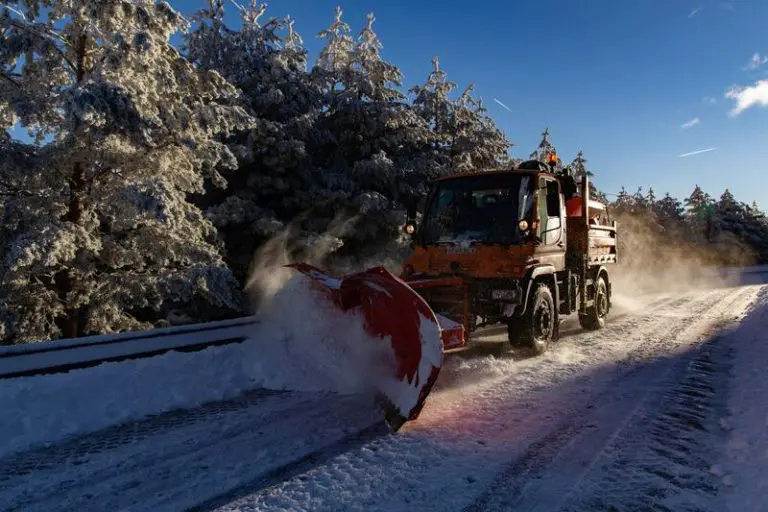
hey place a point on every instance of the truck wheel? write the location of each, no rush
(594, 319)
(537, 326)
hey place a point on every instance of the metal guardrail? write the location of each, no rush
(69, 354)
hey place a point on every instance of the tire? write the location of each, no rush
(594, 319)
(536, 328)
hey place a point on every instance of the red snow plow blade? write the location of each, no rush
(392, 309)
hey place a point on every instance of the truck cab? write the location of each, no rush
(519, 247)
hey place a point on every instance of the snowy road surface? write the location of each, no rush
(657, 412)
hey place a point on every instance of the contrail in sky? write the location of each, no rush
(503, 105)
(696, 152)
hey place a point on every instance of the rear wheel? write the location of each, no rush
(536, 328)
(594, 319)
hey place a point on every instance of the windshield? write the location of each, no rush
(483, 208)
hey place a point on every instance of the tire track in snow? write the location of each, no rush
(663, 457)
(302, 464)
(174, 462)
(572, 336)
(79, 449)
(542, 478)
(666, 460)
(469, 431)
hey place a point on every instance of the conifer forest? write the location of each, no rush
(153, 174)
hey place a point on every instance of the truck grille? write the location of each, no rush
(444, 266)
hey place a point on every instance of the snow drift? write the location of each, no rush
(301, 343)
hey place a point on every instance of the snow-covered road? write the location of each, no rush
(586, 427)
(621, 419)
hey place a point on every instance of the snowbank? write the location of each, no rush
(50, 407)
(302, 343)
(745, 462)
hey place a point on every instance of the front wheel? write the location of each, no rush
(594, 319)
(536, 328)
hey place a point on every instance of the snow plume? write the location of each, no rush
(654, 261)
(268, 272)
(304, 343)
(391, 255)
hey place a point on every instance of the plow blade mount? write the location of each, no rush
(394, 314)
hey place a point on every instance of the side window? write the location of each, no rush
(550, 231)
(553, 200)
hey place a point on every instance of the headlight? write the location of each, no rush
(523, 225)
(409, 228)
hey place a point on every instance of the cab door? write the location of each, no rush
(550, 229)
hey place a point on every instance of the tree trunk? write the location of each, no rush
(72, 325)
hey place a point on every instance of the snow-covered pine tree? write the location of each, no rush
(334, 66)
(478, 144)
(432, 103)
(462, 137)
(578, 167)
(275, 181)
(651, 198)
(104, 236)
(368, 142)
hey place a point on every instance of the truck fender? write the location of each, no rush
(602, 271)
(531, 276)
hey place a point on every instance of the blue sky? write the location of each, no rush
(618, 79)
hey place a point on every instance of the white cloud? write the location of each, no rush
(709, 100)
(503, 105)
(756, 61)
(697, 152)
(755, 95)
(693, 122)
(694, 12)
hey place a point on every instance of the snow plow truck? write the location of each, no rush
(519, 247)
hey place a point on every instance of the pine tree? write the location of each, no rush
(699, 201)
(275, 181)
(105, 238)
(375, 79)
(478, 145)
(578, 167)
(335, 64)
(700, 212)
(669, 210)
(544, 150)
(368, 139)
(639, 199)
(624, 202)
(727, 202)
(651, 198)
(463, 138)
(432, 103)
